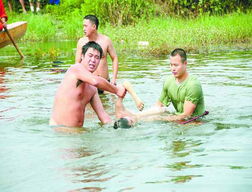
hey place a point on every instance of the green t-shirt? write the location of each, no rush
(189, 90)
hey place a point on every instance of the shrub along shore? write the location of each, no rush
(157, 36)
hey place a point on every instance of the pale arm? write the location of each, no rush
(99, 110)
(158, 104)
(97, 81)
(152, 111)
(78, 51)
(158, 108)
(114, 58)
(127, 85)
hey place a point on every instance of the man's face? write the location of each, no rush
(178, 68)
(88, 27)
(91, 59)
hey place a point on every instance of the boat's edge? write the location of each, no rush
(17, 30)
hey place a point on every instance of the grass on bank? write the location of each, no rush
(161, 34)
(204, 33)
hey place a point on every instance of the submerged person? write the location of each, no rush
(182, 89)
(3, 16)
(78, 88)
(90, 28)
(127, 119)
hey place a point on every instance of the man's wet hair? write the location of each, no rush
(181, 53)
(93, 20)
(94, 45)
(122, 123)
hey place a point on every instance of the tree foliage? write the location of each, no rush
(124, 12)
(194, 8)
(119, 12)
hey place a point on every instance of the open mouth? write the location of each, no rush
(91, 66)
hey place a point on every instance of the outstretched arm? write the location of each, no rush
(99, 110)
(128, 86)
(151, 112)
(122, 111)
(99, 82)
(78, 51)
(114, 58)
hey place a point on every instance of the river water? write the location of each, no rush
(152, 156)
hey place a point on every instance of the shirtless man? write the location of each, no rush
(90, 27)
(79, 87)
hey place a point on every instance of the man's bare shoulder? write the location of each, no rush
(83, 40)
(77, 67)
(103, 37)
(76, 71)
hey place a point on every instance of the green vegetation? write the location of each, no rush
(147, 26)
(125, 12)
(206, 32)
(182, 165)
(237, 167)
(183, 179)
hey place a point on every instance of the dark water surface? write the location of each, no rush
(153, 156)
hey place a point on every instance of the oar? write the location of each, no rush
(12, 40)
(194, 118)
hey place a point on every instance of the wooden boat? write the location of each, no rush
(17, 30)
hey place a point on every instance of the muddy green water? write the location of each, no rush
(153, 156)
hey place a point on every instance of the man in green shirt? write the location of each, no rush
(181, 89)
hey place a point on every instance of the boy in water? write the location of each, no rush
(127, 119)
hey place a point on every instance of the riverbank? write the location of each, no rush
(155, 37)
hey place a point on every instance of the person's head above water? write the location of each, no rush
(93, 45)
(93, 19)
(123, 123)
(91, 56)
(181, 53)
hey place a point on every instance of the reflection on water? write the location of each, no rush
(3, 87)
(153, 156)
